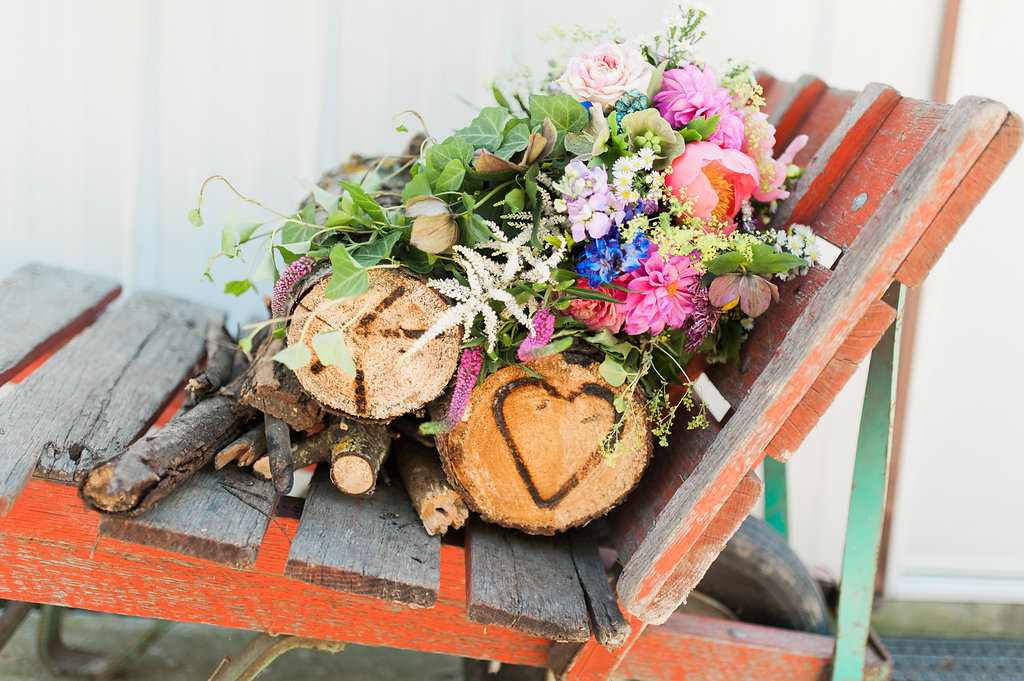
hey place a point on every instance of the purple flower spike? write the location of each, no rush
(540, 335)
(470, 363)
(283, 287)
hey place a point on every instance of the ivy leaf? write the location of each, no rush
(487, 130)
(267, 269)
(437, 156)
(348, 278)
(515, 200)
(366, 202)
(376, 249)
(417, 261)
(330, 349)
(339, 218)
(325, 199)
(294, 233)
(294, 356)
(726, 262)
(237, 288)
(516, 140)
(418, 186)
(243, 226)
(474, 231)
(566, 114)
(229, 242)
(451, 177)
(195, 218)
(612, 372)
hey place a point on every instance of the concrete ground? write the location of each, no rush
(192, 652)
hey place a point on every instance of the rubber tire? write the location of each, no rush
(761, 580)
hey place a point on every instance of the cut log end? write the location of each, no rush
(545, 454)
(389, 318)
(439, 507)
(353, 475)
(97, 492)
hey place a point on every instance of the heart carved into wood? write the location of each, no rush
(541, 425)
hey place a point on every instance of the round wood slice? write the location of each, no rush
(396, 311)
(528, 451)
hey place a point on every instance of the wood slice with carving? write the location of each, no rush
(388, 319)
(530, 452)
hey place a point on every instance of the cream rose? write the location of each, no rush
(603, 74)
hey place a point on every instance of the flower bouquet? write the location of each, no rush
(548, 270)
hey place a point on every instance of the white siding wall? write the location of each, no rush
(115, 111)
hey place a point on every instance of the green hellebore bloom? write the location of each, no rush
(648, 129)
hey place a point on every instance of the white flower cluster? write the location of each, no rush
(801, 242)
(625, 172)
(489, 280)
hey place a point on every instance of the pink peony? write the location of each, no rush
(689, 93)
(660, 293)
(717, 180)
(603, 74)
(598, 314)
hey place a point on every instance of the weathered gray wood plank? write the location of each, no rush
(610, 628)
(98, 392)
(524, 582)
(373, 546)
(220, 516)
(43, 306)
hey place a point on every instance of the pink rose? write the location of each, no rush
(598, 314)
(603, 74)
(716, 180)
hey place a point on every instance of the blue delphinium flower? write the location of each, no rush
(605, 259)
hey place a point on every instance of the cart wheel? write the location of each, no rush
(759, 579)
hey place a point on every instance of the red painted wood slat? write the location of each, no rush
(924, 179)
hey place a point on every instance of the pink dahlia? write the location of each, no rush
(660, 293)
(716, 180)
(689, 93)
(598, 314)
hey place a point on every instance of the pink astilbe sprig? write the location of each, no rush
(470, 364)
(283, 287)
(540, 335)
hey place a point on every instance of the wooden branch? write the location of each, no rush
(272, 388)
(153, 466)
(438, 505)
(545, 454)
(279, 453)
(220, 355)
(307, 451)
(245, 450)
(357, 457)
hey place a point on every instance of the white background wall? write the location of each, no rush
(114, 112)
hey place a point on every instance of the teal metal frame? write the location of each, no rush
(867, 500)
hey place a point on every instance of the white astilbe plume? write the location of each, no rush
(489, 280)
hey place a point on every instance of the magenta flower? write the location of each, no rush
(660, 293)
(689, 93)
(598, 314)
(540, 335)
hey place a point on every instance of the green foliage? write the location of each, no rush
(294, 356)
(330, 349)
(324, 198)
(564, 112)
(487, 131)
(237, 288)
(366, 202)
(451, 177)
(348, 278)
(195, 218)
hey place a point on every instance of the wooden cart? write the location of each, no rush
(889, 180)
